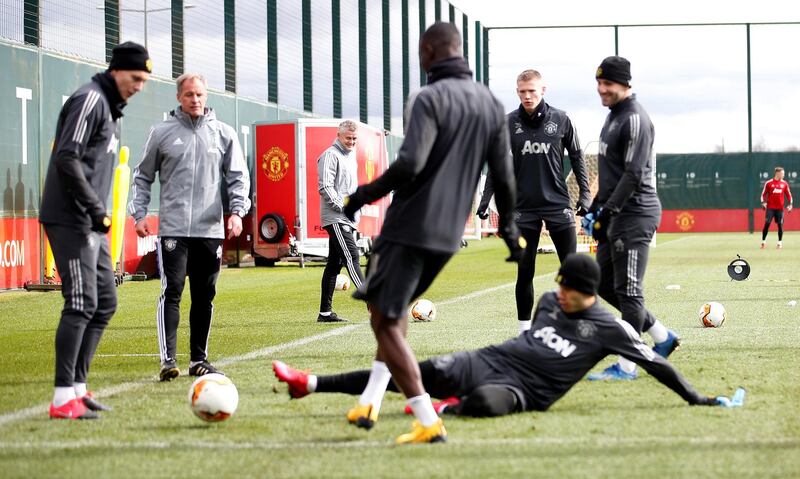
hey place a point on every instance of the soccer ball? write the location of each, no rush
(712, 315)
(342, 282)
(213, 397)
(423, 310)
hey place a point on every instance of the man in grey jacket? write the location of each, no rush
(337, 173)
(194, 154)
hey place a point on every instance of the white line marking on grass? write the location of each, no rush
(603, 442)
(476, 294)
(259, 353)
(124, 387)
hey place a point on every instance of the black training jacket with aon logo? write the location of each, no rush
(625, 161)
(538, 143)
(559, 349)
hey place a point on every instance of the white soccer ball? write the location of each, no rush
(342, 282)
(423, 310)
(712, 315)
(213, 397)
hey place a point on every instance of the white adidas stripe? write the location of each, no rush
(88, 106)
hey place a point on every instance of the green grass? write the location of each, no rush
(635, 429)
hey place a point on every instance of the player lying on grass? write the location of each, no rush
(571, 333)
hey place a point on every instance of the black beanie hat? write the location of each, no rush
(616, 69)
(580, 272)
(130, 56)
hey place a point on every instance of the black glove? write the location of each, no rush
(515, 243)
(581, 211)
(353, 203)
(600, 227)
(483, 214)
(101, 223)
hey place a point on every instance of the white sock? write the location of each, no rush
(311, 386)
(626, 365)
(763, 241)
(780, 243)
(327, 313)
(524, 326)
(423, 409)
(80, 389)
(379, 378)
(658, 332)
(63, 395)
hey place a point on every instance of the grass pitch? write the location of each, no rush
(633, 429)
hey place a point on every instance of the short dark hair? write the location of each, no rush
(442, 35)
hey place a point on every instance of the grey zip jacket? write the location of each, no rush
(337, 177)
(193, 159)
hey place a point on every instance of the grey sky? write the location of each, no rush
(692, 80)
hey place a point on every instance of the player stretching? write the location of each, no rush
(571, 333)
(626, 210)
(76, 221)
(454, 127)
(772, 201)
(539, 136)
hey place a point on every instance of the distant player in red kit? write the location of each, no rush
(772, 201)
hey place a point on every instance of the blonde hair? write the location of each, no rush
(778, 168)
(190, 76)
(528, 75)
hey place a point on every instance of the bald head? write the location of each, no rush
(441, 40)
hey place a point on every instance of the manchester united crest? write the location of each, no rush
(170, 244)
(586, 329)
(550, 128)
(275, 163)
(685, 221)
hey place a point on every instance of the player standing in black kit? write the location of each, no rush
(540, 134)
(76, 221)
(626, 210)
(455, 126)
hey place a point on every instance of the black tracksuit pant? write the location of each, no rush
(565, 242)
(623, 261)
(90, 298)
(481, 400)
(342, 251)
(200, 259)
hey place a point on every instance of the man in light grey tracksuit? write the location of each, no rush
(194, 154)
(337, 173)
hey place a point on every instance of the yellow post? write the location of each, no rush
(122, 180)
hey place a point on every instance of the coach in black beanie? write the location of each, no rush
(581, 273)
(130, 56)
(616, 69)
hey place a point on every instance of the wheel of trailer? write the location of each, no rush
(272, 227)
